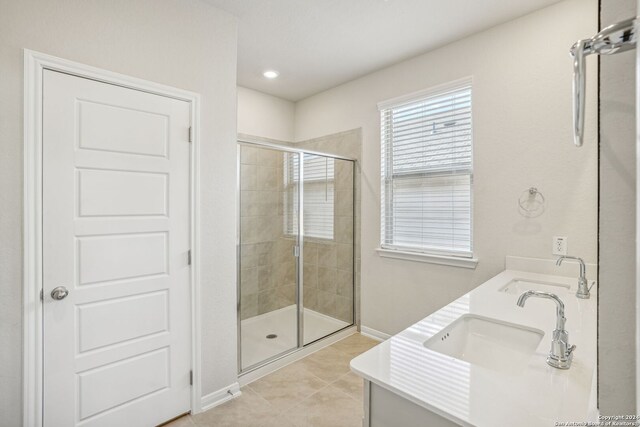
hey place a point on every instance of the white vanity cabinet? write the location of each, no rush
(383, 408)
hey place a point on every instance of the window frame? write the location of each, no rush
(436, 255)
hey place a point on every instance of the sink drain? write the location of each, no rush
(271, 336)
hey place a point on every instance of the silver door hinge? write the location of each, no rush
(296, 251)
(190, 377)
(190, 134)
(41, 295)
(189, 257)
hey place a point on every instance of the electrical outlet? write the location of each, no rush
(560, 244)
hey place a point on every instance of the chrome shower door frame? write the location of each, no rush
(259, 143)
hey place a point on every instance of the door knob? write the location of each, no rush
(59, 293)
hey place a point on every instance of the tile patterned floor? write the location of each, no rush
(316, 391)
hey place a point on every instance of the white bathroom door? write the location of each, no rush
(116, 236)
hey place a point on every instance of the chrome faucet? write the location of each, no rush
(561, 352)
(583, 287)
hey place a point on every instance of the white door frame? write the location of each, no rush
(34, 65)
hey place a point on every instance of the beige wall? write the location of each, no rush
(616, 290)
(268, 267)
(186, 44)
(267, 275)
(328, 264)
(522, 138)
(265, 115)
(331, 277)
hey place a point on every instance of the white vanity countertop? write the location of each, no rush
(472, 395)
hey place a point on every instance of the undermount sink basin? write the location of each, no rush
(518, 286)
(493, 344)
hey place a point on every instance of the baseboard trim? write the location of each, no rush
(216, 398)
(372, 333)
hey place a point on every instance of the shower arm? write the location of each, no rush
(615, 38)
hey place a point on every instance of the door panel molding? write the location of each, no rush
(34, 65)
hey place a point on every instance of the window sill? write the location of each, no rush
(429, 258)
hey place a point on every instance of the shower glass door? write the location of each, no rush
(296, 250)
(328, 245)
(268, 291)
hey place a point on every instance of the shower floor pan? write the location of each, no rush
(256, 347)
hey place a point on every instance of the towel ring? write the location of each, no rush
(531, 203)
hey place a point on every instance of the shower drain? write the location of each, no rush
(271, 336)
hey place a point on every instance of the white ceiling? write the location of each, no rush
(319, 44)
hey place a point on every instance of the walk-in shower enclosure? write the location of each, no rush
(295, 249)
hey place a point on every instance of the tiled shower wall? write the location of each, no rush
(328, 265)
(267, 276)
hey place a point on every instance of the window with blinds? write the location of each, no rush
(427, 171)
(318, 195)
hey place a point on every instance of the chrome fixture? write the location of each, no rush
(531, 203)
(59, 293)
(583, 287)
(615, 38)
(561, 352)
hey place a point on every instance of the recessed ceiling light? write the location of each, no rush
(271, 74)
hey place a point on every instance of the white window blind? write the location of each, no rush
(427, 171)
(318, 195)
